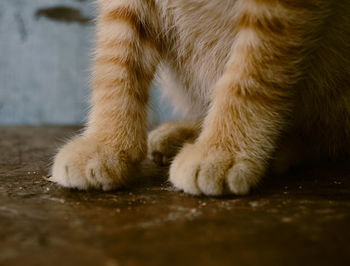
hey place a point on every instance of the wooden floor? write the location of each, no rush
(299, 219)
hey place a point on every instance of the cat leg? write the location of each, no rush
(114, 142)
(251, 101)
(167, 139)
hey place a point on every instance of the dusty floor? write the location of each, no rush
(300, 219)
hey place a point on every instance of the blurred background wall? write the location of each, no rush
(45, 48)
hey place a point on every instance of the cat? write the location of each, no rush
(261, 84)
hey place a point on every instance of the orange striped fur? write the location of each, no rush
(261, 84)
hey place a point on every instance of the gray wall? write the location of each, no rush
(45, 50)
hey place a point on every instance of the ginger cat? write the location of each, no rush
(261, 84)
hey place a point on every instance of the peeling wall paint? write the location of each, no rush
(64, 14)
(45, 48)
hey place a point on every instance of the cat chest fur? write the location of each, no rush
(195, 56)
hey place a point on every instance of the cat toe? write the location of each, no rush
(160, 158)
(241, 177)
(184, 170)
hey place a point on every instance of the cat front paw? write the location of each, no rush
(212, 173)
(85, 164)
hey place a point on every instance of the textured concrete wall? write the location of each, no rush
(45, 50)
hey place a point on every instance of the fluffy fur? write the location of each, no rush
(266, 83)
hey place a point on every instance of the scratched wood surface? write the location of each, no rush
(299, 219)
